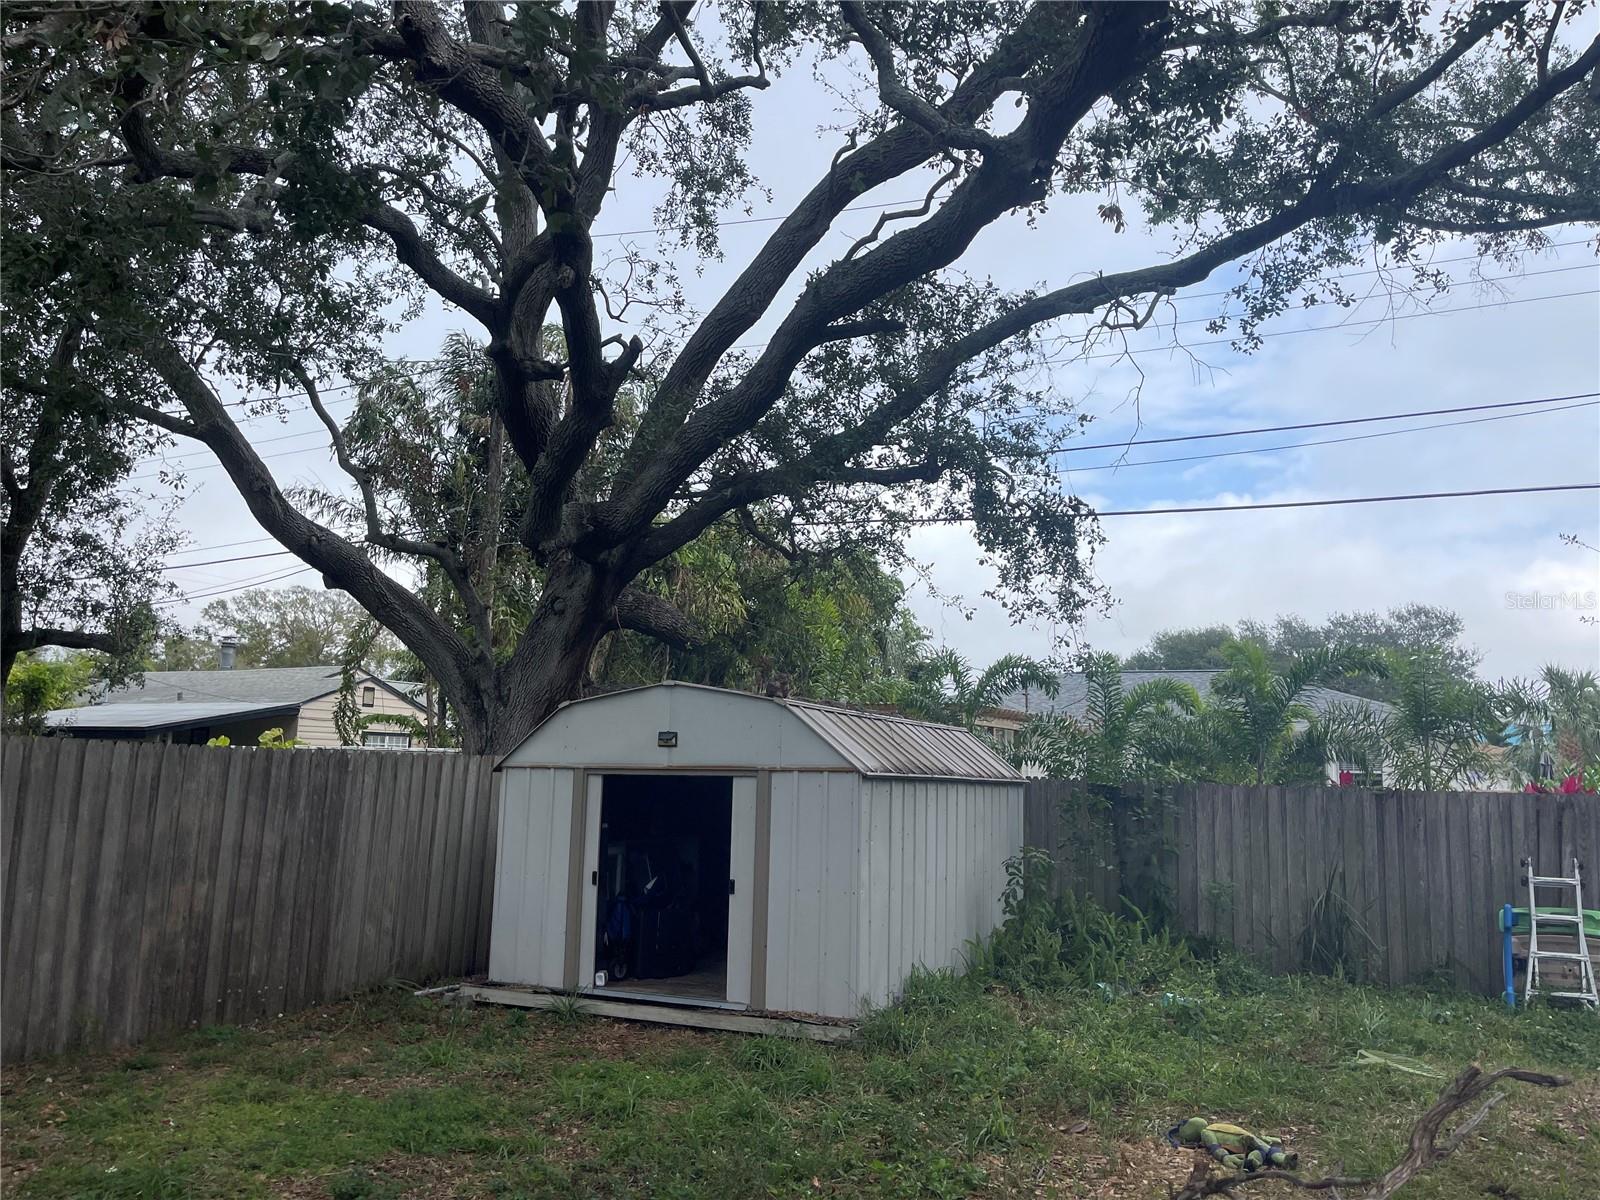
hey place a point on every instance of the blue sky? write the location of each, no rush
(1472, 555)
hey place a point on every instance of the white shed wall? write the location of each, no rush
(813, 893)
(933, 859)
(528, 933)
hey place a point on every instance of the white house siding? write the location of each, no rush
(315, 726)
(933, 859)
(528, 934)
(813, 893)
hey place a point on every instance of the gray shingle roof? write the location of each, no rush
(1073, 697)
(260, 685)
(274, 686)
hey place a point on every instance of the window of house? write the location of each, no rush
(386, 741)
(369, 697)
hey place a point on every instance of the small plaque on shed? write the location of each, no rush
(667, 737)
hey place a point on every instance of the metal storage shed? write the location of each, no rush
(857, 846)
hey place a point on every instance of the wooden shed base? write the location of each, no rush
(684, 1015)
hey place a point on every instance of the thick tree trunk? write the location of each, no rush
(548, 666)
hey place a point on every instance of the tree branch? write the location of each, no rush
(449, 562)
(1113, 43)
(883, 158)
(339, 560)
(67, 639)
(1423, 1149)
(638, 610)
(902, 99)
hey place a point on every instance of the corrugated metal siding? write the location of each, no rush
(528, 936)
(933, 867)
(879, 744)
(813, 893)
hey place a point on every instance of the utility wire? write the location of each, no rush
(211, 562)
(1228, 341)
(1232, 508)
(235, 587)
(420, 362)
(1553, 487)
(223, 546)
(1317, 304)
(1423, 412)
(1432, 312)
(1358, 437)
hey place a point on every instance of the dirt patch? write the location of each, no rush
(1091, 1167)
(598, 1037)
(408, 1176)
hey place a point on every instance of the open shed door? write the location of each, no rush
(593, 792)
(741, 888)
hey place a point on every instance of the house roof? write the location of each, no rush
(250, 685)
(1072, 700)
(160, 714)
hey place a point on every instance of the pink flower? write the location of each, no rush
(1532, 787)
(1571, 784)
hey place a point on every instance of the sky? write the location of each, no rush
(1497, 560)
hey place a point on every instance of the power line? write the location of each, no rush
(211, 562)
(1129, 512)
(223, 546)
(276, 396)
(1424, 412)
(1586, 401)
(1432, 312)
(1359, 437)
(1319, 303)
(1231, 508)
(236, 587)
(1228, 341)
(1152, 512)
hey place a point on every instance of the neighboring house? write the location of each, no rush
(196, 706)
(1072, 700)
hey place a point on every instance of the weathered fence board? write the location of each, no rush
(151, 887)
(1421, 876)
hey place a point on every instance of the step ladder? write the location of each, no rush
(1559, 922)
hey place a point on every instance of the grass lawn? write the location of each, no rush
(959, 1091)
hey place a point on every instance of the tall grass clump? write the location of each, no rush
(1051, 942)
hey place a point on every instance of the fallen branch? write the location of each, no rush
(1423, 1150)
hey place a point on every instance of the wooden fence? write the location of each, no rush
(1420, 876)
(151, 887)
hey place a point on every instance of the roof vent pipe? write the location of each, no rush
(226, 650)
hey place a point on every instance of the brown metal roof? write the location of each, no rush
(880, 744)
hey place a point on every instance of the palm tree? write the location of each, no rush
(1128, 724)
(1125, 734)
(1550, 722)
(1433, 735)
(1261, 711)
(944, 687)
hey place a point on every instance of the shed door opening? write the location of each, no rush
(663, 878)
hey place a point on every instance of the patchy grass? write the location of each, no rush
(959, 1090)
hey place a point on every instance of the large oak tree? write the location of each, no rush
(315, 161)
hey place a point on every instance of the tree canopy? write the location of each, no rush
(248, 193)
(1406, 631)
(274, 627)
